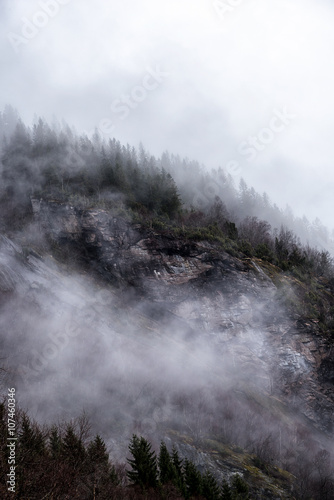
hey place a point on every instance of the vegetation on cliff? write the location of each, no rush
(175, 199)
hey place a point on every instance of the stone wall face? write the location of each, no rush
(232, 302)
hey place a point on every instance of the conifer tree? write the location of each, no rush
(167, 472)
(73, 449)
(240, 488)
(97, 452)
(226, 491)
(98, 459)
(100, 473)
(192, 479)
(55, 443)
(210, 488)
(31, 441)
(178, 470)
(144, 470)
(177, 462)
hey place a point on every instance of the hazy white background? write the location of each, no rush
(226, 75)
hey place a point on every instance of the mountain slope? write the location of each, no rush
(185, 340)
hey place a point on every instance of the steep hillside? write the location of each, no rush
(210, 293)
(174, 338)
(163, 302)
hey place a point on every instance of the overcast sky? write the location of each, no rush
(248, 81)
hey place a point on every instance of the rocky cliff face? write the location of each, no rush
(183, 342)
(230, 301)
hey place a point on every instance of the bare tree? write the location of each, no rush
(255, 231)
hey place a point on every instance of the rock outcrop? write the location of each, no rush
(232, 301)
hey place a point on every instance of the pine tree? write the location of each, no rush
(55, 443)
(169, 198)
(143, 464)
(210, 488)
(240, 488)
(177, 462)
(178, 471)
(31, 458)
(100, 473)
(97, 452)
(226, 491)
(73, 449)
(192, 479)
(31, 441)
(167, 472)
(98, 459)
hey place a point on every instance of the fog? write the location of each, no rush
(79, 346)
(205, 79)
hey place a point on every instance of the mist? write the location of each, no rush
(122, 308)
(203, 364)
(203, 79)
